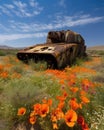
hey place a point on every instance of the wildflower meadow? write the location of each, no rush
(35, 98)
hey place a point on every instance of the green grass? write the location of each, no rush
(39, 66)
(4, 52)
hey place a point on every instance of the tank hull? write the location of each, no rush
(56, 55)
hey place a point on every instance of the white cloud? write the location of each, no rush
(9, 6)
(76, 20)
(5, 10)
(62, 3)
(21, 9)
(86, 21)
(60, 22)
(19, 4)
(79, 20)
(33, 3)
(11, 37)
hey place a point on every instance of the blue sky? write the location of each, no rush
(27, 22)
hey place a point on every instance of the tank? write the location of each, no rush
(60, 49)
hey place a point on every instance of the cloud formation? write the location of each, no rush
(10, 37)
(21, 9)
(58, 23)
(33, 30)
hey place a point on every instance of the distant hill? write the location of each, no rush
(6, 47)
(99, 47)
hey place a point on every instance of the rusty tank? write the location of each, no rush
(60, 49)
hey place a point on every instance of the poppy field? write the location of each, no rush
(35, 98)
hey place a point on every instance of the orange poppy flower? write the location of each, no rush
(37, 108)
(60, 98)
(54, 117)
(32, 114)
(21, 111)
(85, 99)
(44, 110)
(49, 101)
(1, 67)
(80, 105)
(4, 74)
(86, 82)
(44, 100)
(73, 103)
(32, 120)
(56, 114)
(62, 82)
(70, 118)
(74, 89)
(82, 93)
(71, 82)
(55, 126)
(61, 104)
